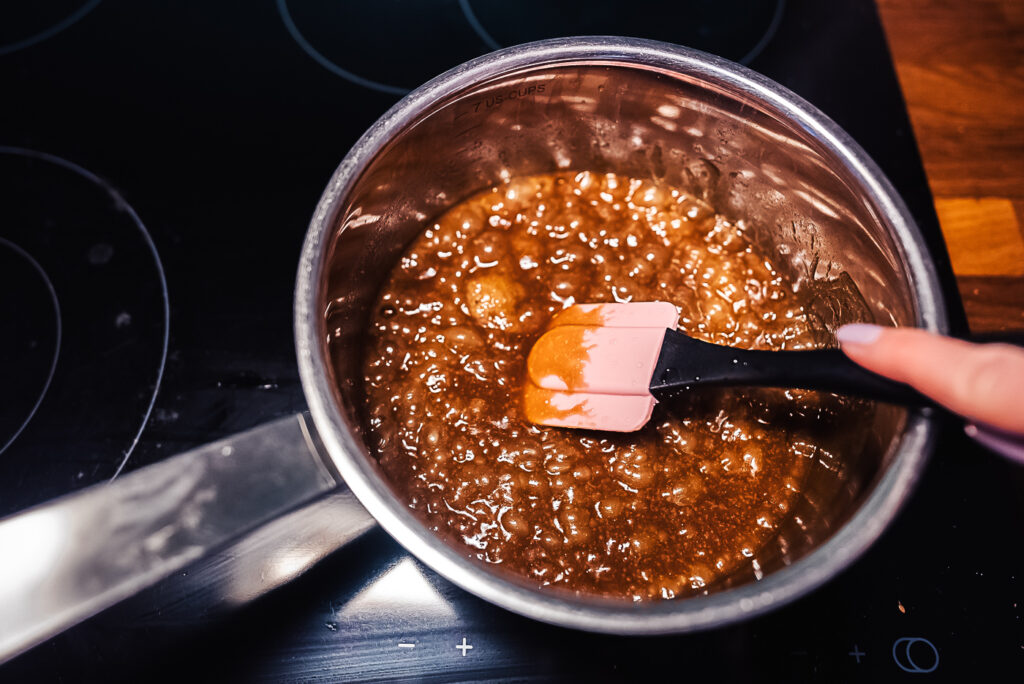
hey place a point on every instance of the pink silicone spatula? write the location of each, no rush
(605, 366)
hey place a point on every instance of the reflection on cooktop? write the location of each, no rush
(79, 375)
(392, 46)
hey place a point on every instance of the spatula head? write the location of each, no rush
(587, 411)
(592, 368)
(577, 358)
(619, 315)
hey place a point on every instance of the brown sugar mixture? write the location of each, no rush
(662, 512)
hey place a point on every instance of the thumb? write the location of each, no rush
(983, 382)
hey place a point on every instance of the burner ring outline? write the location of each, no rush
(123, 205)
(56, 347)
(471, 17)
(759, 46)
(65, 23)
(307, 47)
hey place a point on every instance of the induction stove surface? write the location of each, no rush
(158, 168)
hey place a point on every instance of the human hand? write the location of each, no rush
(982, 382)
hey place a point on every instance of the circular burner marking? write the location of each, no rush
(391, 45)
(769, 33)
(101, 255)
(54, 29)
(33, 265)
(477, 26)
(597, 20)
(307, 47)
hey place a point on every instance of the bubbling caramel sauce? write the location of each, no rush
(662, 512)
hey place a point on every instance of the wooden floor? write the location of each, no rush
(961, 66)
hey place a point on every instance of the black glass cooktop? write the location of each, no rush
(158, 166)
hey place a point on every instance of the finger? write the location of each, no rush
(984, 382)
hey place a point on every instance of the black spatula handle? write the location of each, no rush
(685, 363)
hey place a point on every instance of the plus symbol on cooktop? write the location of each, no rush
(463, 646)
(857, 653)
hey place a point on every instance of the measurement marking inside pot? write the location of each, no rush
(495, 101)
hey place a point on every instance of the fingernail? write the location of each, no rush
(858, 333)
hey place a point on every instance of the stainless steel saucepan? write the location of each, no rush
(284, 494)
